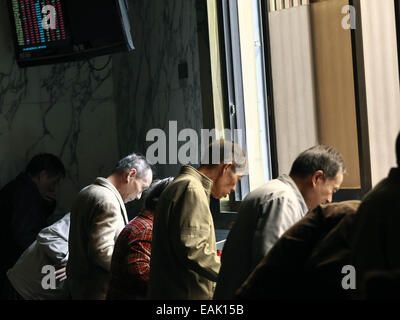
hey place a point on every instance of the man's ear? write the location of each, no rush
(319, 174)
(127, 175)
(226, 167)
(132, 173)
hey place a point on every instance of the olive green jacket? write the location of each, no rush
(184, 263)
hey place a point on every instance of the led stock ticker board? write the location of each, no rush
(38, 24)
(55, 31)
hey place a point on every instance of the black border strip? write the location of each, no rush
(397, 17)
(271, 127)
(361, 101)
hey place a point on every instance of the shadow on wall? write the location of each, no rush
(66, 109)
(92, 118)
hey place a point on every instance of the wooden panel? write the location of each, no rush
(335, 85)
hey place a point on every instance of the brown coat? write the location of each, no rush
(306, 262)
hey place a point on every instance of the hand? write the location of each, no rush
(50, 196)
(61, 272)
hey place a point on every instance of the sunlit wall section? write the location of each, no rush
(293, 83)
(382, 83)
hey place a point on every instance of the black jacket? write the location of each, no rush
(23, 214)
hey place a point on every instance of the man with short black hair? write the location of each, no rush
(26, 204)
(268, 211)
(97, 217)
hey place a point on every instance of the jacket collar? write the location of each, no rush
(394, 174)
(146, 214)
(289, 181)
(107, 184)
(27, 179)
(205, 181)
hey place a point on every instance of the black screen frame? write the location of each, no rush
(70, 51)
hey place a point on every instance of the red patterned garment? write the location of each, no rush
(130, 265)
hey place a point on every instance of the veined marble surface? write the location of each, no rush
(147, 90)
(66, 109)
(91, 118)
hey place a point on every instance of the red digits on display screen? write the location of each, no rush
(29, 17)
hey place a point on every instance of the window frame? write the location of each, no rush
(234, 101)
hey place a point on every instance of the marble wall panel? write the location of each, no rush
(91, 118)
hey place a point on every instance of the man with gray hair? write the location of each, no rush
(268, 211)
(97, 217)
(184, 262)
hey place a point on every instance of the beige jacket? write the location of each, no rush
(264, 216)
(184, 263)
(97, 217)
